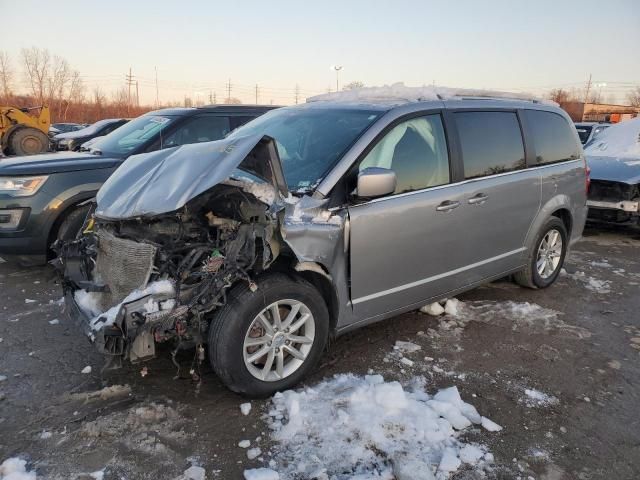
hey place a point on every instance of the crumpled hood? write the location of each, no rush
(164, 181)
(615, 169)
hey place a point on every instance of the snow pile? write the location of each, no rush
(245, 408)
(194, 472)
(364, 427)
(449, 306)
(620, 140)
(535, 398)
(399, 93)
(89, 302)
(16, 469)
(261, 474)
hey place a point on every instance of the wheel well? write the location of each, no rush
(56, 226)
(564, 215)
(324, 286)
(286, 264)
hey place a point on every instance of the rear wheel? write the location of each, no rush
(547, 256)
(28, 141)
(268, 340)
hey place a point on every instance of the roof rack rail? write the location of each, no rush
(523, 98)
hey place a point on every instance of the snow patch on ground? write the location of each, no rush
(509, 314)
(591, 283)
(16, 469)
(364, 427)
(534, 398)
(245, 408)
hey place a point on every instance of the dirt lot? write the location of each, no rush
(581, 349)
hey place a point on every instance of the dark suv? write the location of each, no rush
(42, 196)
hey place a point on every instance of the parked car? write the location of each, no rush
(56, 128)
(587, 131)
(41, 196)
(73, 140)
(614, 160)
(86, 146)
(313, 220)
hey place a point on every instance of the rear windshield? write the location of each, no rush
(124, 140)
(310, 140)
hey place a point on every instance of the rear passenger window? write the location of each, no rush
(553, 137)
(416, 150)
(491, 143)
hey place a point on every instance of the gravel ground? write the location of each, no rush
(581, 352)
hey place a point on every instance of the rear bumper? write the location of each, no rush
(628, 206)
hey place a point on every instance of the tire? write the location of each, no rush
(28, 141)
(72, 223)
(237, 322)
(530, 276)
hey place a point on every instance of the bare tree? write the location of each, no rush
(75, 93)
(634, 97)
(559, 95)
(37, 63)
(6, 76)
(353, 85)
(232, 101)
(57, 83)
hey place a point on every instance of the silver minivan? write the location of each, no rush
(320, 218)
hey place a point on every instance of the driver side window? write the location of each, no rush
(203, 128)
(416, 150)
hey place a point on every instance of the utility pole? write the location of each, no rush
(137, 95)
(129, 80)
(297, 92)
(157, 102)
(229, 91)
(586, 95)
(256, 94)
(211, 96)
(337, 68)
(214, 98)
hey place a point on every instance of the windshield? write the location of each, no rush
(310, 140)
(126, 139)
(583, 132)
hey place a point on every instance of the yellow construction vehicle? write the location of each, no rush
(22, 133)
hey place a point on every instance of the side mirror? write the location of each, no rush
(375, 182)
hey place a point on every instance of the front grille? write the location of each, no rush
(123, 265)
(603, 190)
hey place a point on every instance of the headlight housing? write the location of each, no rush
(21, 186)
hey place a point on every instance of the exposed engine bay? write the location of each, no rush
(187, 260)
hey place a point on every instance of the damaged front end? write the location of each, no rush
(170, 234)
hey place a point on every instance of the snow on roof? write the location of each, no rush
(619, 140)
(399, 93)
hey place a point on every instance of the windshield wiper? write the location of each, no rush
(95, 151)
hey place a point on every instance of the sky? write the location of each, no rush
(198, 46)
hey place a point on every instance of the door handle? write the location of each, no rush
(447, 205)
(478, 199)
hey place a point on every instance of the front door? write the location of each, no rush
(401, 245)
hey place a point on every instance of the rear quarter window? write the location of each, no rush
(491, 143)
(553, 138)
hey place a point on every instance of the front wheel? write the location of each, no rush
(265, 341)
(547, 256)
